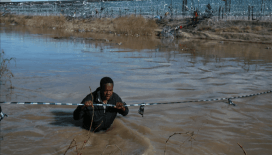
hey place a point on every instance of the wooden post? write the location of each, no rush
(249, 12)
(229, 5)
(171, 9)
(176, 12)
(222, 13)
(152, 11)
(183, 7)
(219, 12)
(252, 13)
(262, 7)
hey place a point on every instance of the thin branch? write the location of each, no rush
(242, 148)
(89, 136)
(191, 137)
(83, 145)
(169, 139)
(74, 140)
(184, 141)
(112, 145)
(93, 111)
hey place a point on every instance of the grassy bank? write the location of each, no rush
(130, 25)
(211, 28)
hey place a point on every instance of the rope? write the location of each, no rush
(142, 104)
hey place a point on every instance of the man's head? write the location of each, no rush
(106, 85)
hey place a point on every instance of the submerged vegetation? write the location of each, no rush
(5, 73)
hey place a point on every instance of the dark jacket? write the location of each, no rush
(107, 116)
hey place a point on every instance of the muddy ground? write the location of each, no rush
(229, 30)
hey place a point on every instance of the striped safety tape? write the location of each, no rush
(141, 109)
(142, 104)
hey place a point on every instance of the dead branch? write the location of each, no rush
(83, 145)
(70, 147)
(89, 136)
(112, 145)
(169, 139)
(191, 137)
(242, 148)
(5, 73)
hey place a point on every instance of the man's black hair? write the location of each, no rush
(105, 80)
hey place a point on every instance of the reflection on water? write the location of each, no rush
(52, 70)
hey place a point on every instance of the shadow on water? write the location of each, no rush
(63, 118)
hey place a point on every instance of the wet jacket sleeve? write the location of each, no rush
(124, 113)
(79, 112)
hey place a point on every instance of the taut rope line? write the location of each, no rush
(141, 109)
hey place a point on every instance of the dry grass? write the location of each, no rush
(129, 25)
(247, 28)
(59, 22)
(133, 25)
(235, 28)
(231, 29)
(205, 28)
(257, 28)
(218, 30)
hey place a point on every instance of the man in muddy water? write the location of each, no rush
(103, 116)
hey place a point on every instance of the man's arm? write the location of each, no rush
(79, 112)
(123, 110)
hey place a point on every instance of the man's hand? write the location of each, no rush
(120, 105)
(87, 104)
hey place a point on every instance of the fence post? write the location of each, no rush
(171, 9)
(249, 12)
(176, 12)
(252, 13)
(152, 11)
(108, 15)
(222, 12)
(229, 5)
(262, 7)
(219, 12)
(183, 6)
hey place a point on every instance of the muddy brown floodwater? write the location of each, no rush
(144, 70)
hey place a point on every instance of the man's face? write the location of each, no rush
(107, 91)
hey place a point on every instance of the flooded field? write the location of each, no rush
(144, 70)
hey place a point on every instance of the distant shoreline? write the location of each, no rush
(210, 28)
(57, 1)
